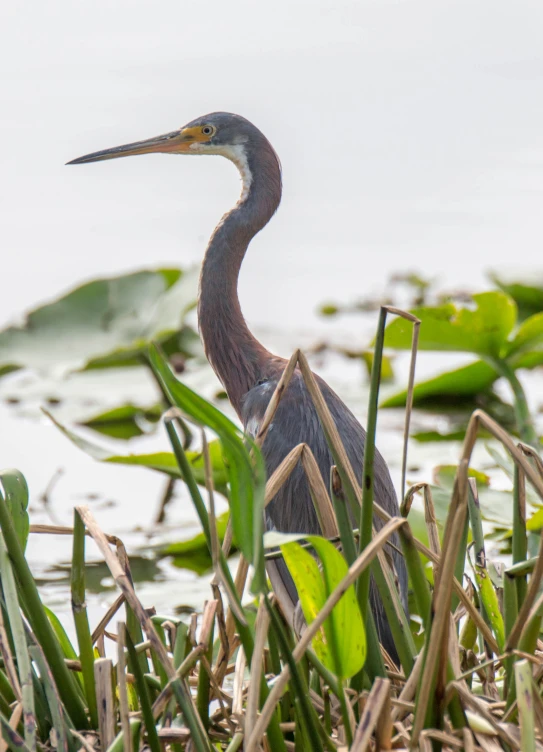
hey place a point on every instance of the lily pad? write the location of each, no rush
(461, 383)
(104, 322)
(482, 329)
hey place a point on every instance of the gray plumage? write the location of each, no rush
(247, 370)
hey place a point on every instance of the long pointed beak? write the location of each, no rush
(175, 142)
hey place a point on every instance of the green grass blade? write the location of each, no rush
(523, 681)
(520, 539)
(64, 738)
(21, 649)
(247, 476)
(35, 613)
(14, 741)
(397, 620)
(118, 743)
(143, 695)
(79, 609)
(308, 716)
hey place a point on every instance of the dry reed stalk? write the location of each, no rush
(9, 663)
(125, 585)
(480, 708)
(174, 734)
(107, 617)
(377, 705)
(14, 720)
(253, 695)
(237, 689)
(103, 670)
(480, 418)
(353, 573)
(431, 521)
(279, 391)
(467, 740)
(410, 385)
(282, 473)
(404, 705)
(83, 740)
(223, 657)
(319, 493)
(327, 422)
(436, 651)
(121, 681)
(443, 738)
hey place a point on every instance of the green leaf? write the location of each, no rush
(483, 330)
(125, 421)
(461, 383)
(527, 293)
(247, 476)
(528, 337)
(341, 642)
(490, 602)
(15, 492)
(162, 462)
(193, 554)
(113, 318)
(64, 640)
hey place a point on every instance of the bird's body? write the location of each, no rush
(248, 371)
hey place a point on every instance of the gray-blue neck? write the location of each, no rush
(236, 356)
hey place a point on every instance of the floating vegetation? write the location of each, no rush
(236, 676)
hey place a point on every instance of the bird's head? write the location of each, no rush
(217, 133)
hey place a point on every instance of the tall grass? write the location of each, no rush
(235, 679)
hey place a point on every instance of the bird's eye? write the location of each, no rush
(208, 130)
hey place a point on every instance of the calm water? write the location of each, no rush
(411, 136)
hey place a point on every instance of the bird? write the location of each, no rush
(246, 369)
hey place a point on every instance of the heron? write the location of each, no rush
(248, 371)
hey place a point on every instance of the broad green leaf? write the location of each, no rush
(529, 336)
(113, 318)
(15, 492)
(461, 383)
(535, 523)
(526, 292)
(483, 329)
(126, 421)
(341, 642)
(247, 476)
(162, 462)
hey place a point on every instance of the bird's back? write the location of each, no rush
(292, 510)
